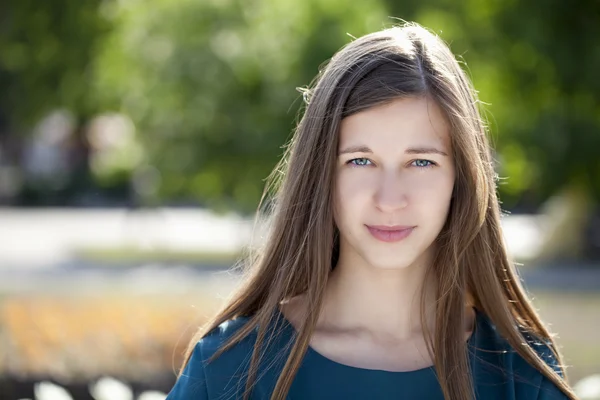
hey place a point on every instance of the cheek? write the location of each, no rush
(435, 184)
(433, 192)
(353, 181)
(350, 195)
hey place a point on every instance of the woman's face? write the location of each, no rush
(394, 181)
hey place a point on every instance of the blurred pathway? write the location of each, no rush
(44, 238)
(38, 249)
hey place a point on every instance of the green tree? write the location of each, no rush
(535, 65)
(211, 84)
(45, 53)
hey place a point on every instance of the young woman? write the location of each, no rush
(384, 275)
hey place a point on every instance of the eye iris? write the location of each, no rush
(364, 161)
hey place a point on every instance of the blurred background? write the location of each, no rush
(135, 137)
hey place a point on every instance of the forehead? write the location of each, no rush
(404, 121)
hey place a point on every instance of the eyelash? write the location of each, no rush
(431, 163)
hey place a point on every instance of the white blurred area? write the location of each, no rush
(524, 235)
(45, 237)
(38, 238)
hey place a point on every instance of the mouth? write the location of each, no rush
(393, 233)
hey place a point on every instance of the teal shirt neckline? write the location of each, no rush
(314, 354)
(497, 370)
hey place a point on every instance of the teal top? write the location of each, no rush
(498, 371)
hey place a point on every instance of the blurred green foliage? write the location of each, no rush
(45, 51)
(536, 63)
(211, 85)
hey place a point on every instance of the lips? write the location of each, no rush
(393, 233)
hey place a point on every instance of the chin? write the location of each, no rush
(390, 264)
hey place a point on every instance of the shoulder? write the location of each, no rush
(204, 380)
(492, 338)
(216, 338)
(231, 362)
(504, 362)
(225, 376)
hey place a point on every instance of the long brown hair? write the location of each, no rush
(302, 244)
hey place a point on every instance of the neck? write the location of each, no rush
(381, 301)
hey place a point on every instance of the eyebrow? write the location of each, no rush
(412, 150)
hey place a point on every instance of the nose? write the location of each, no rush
(392, 193)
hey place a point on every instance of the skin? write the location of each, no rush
(394, 167)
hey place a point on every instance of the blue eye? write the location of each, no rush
(423, 163)
(359, 161)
